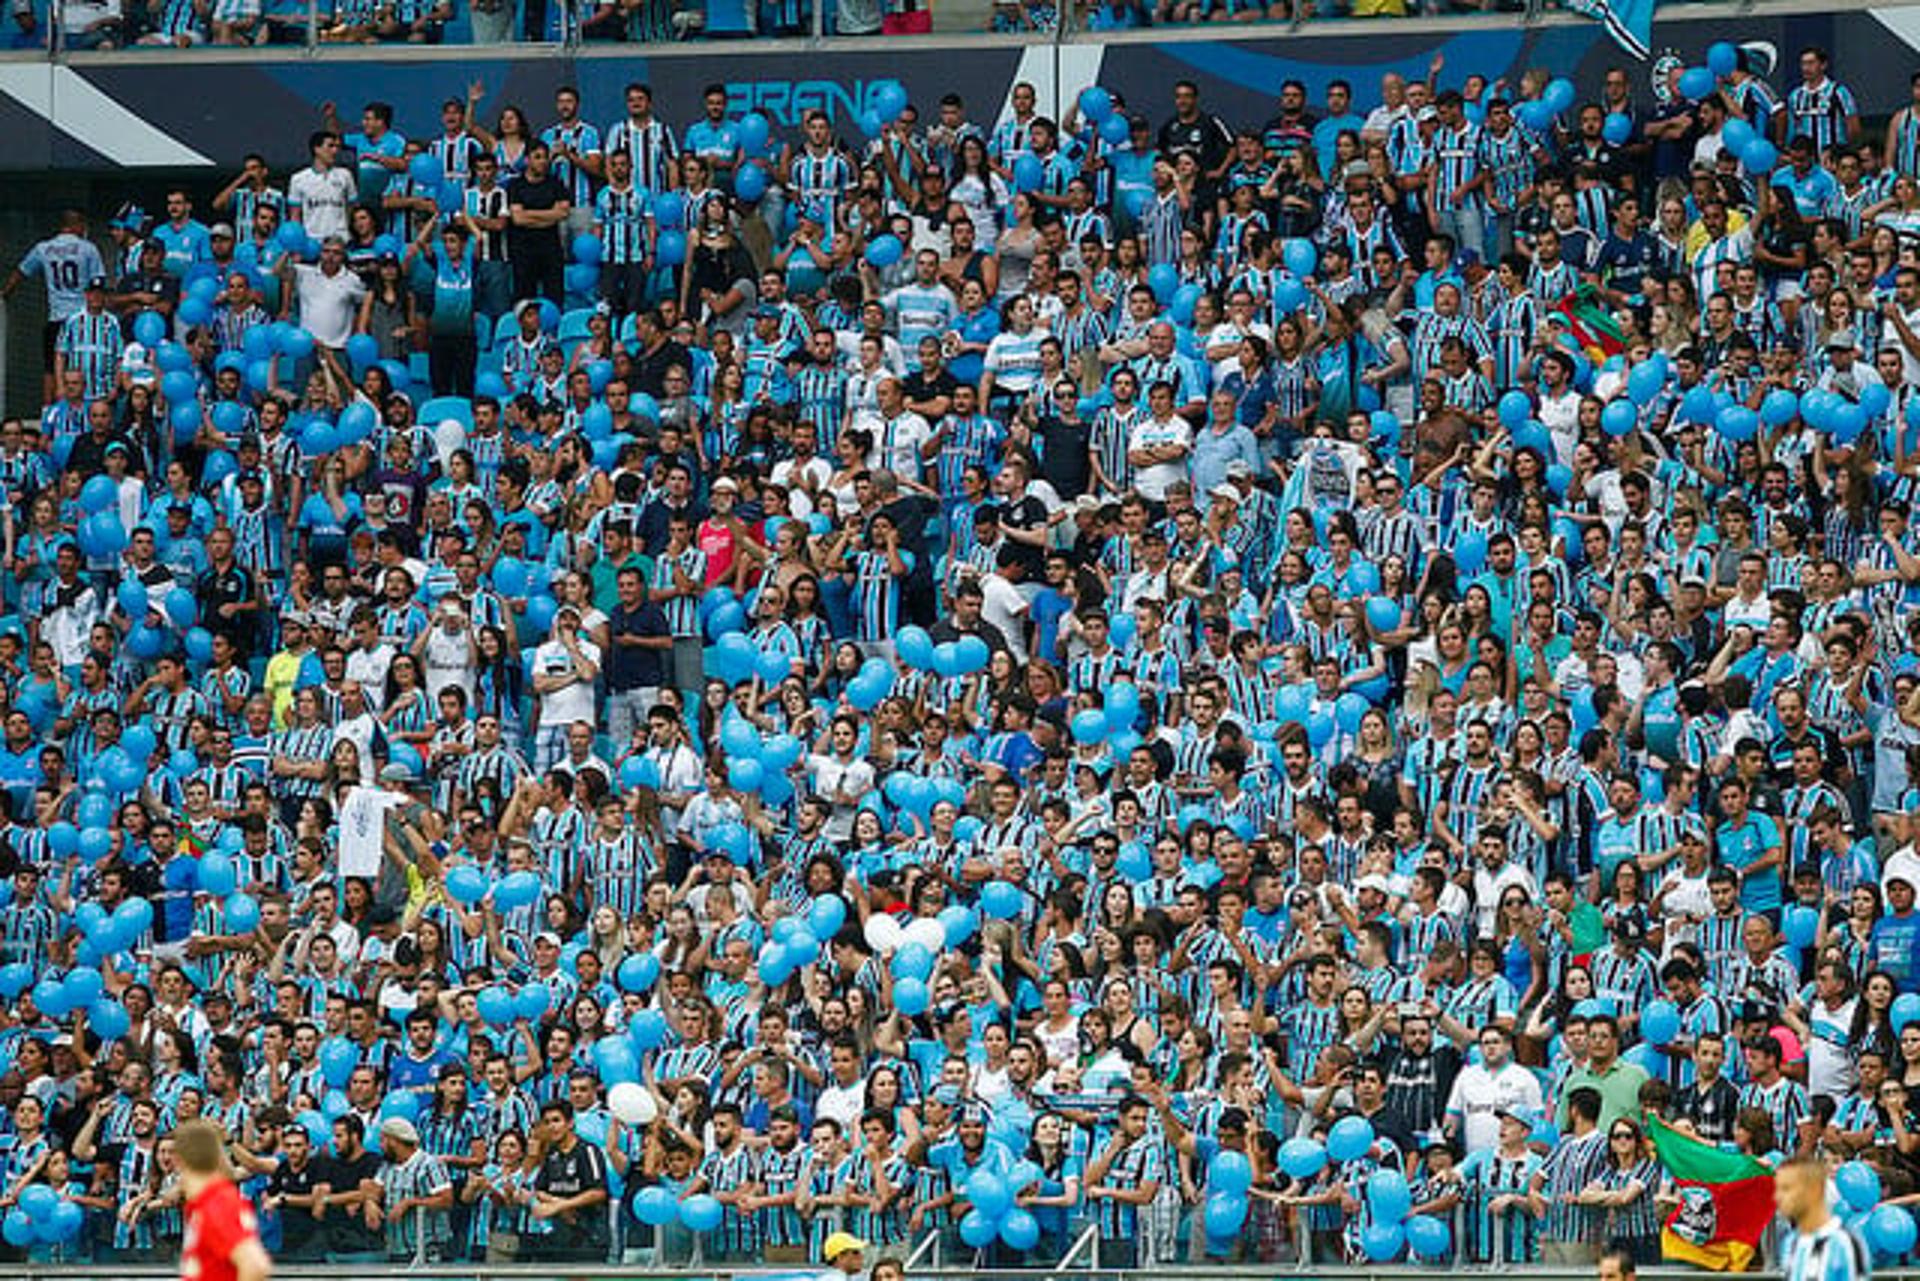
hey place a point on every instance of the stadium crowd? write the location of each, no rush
(1291, 690)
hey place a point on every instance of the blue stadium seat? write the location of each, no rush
(441, 408)
(418, 368)
(504, 330)
(573, 325)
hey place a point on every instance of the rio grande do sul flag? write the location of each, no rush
(1726, 1202)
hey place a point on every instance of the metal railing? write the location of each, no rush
(1066, 28)
(1087, 1242)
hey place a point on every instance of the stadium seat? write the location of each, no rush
(441, 408)
(573, 325)
(504, 330)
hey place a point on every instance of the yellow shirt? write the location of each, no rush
(1698, 237)
(283, 670)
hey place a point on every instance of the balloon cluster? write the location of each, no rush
(42, 1217)
(994, 1214)
(1393, 1226)
(1889, 1230)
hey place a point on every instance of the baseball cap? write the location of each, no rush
(1225, 492)
(396, 773)
(401, 1129)
(221, 229)
(840, 1243)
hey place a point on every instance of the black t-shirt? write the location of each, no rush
(347, 1230)
(299, 1231)
(230, 586)
(918, 388)
(535, 242)
(635, 666)
(650, 367)
(1064, 461)
(568, 1174)
(1027, 513)
(1203, 135)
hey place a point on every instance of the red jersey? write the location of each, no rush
(219, 1219)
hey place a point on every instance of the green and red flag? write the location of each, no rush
(1726, 1202)
(1590, 323)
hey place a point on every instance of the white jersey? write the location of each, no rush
(321, 199)
(67, 262)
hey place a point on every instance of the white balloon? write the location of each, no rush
(928, 933)
(883, 933)
(633, 1103)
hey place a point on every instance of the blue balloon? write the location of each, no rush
(1229, 1172)
(532, 1002)
(516, 890)
(1114, 131)
(131, 596)
(338, 1059)
(1696, 83)
(910, 996)
(1779, 407)
(98, 494)
(988, 1193)
(1163, 279)
(1470, 552)
(648, 1030)
(670, 250)
(700, 1213)
(1659, 1022)
(495, 1004)
(1737, 422)
(884, 251)
(1800, 924)
(1388, 1195)
(1302, 1158)
(1859, 1184)
(655, 1206)
(1428, 1237)
(638, 972)
(1001, 901)
(1891, 1230)
(1644, 381)
(1617, 128)
(1381, 1242)
(1300, 257)
(1019, 1229)
(1515, 408)
(217, 875)
(889, 99)
(466, 884)
(754, 131)
(1619, 418)
(242, 912)
(1224, 1215)
(1723, 59)
(750, 183)
(1350, 1138)
(1760, 157)
(978, 1230)
(1029, 174)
